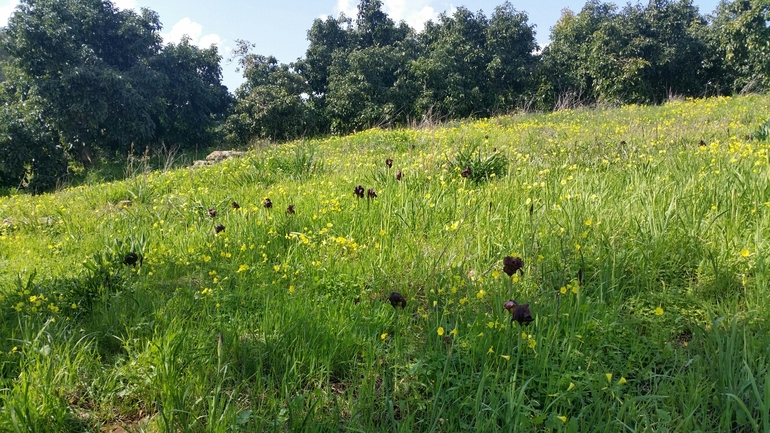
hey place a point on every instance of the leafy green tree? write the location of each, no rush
(89, 62)
(564, 74)
(193, 99)
(272, 102)
(740, 36)
(452, 70)
(680, 59)
(510, 40)
(616, 70)
(326, 37)
(375, 28)
(641, 54)
(371, 87)
(660, 51)
(359, 74)
(83, 74)
(31, 154)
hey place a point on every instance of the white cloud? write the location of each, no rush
(6, 12)
(209, 40)
(415, 13)
(348, 7)
(188, 27)
(124, 4)
(183, 27)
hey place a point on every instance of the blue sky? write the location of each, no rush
(279, 28)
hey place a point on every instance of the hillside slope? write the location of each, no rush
(179, 301)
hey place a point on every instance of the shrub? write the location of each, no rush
(472, 163)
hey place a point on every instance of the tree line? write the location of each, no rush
(83, 76)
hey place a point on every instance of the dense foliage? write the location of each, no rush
(371, 71)
(255, 295)
(83, 75)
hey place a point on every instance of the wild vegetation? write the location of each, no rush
(367, 70)
(85, 82)
(256, 294)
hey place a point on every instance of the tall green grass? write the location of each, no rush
(644, 267)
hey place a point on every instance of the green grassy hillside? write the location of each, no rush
(643, 233)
